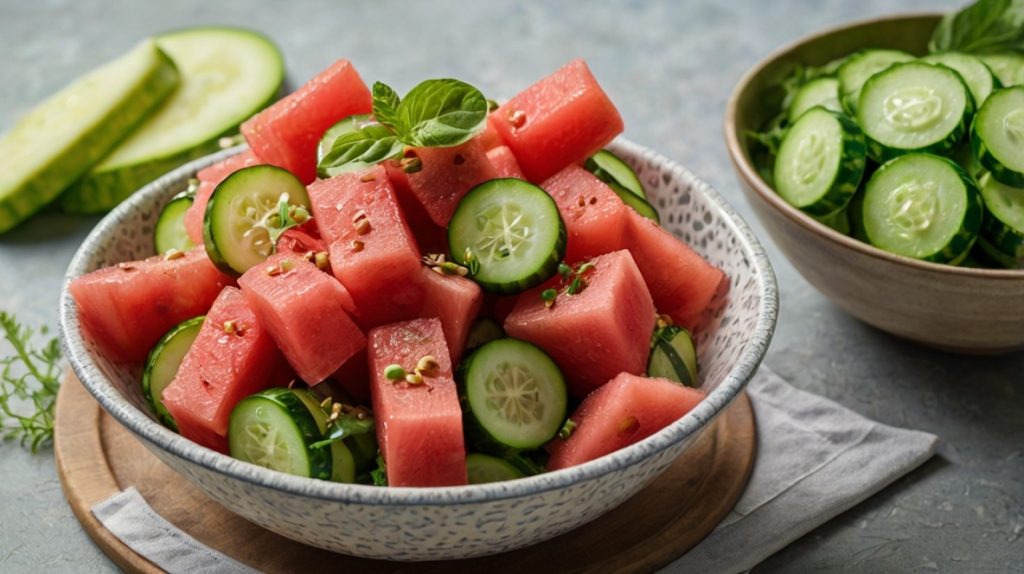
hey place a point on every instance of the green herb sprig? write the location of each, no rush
(379, 475)
(985, 27)
(344, 421)
(29, 381)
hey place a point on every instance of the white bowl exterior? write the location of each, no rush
(455, 522)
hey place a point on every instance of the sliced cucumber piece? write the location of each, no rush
(275, 430)
(822, 92)
(639, 204)
(978, 77)
(169, 231)
(922, 206)
(64, 136)
(509, 233)
(244, 212)
(820, 162)
(162, 366)
(673, 356)
(513, 397)
(855, 215)
(858, 68)
(997, 135)
(227, 75)
(1003, 223)
(913, 108)
(343, 464)
(484, 330)
(1008, 67)
(484, 468)
(610, 168)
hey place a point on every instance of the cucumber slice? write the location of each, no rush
(997, 135)
(855, 214)
(673, 356)
(1008, 67)
(822, 92)
(343, 464)
(913, 108)
(484, 330)
(513, 397)
(978, 77)
(858, 68)
(820, 162)
(512, 233)
(639, 204)
(610, 168)
(64, 136)
(484, 468)
(169, 231)
(243, 212)
(922, 206)
(274, 429)
(162, 366)
(1003, 223)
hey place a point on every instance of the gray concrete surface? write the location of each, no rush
(670, 67)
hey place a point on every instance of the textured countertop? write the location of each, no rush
(670, 67)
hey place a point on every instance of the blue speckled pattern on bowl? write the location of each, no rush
(452, 522)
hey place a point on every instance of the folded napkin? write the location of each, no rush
(815, 459)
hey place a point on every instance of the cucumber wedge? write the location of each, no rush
(1003, 224)
(858, 68)
(1008, 67)
(162, 365)
(227, 74)
(673, 356)
(610, 168)
(978, 77)
(275, 430)
(169, 232)
(638, 203)
(484, 468)
(343, 464)
(67, 134)
(822, 92)
(997, 136)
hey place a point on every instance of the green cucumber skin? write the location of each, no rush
(147, 388)
(848, 98)
(988, 160)
(490, 463)
(989, 256)
(632, 182)
(180, 238)
(1001, 236)
(319, 458)
(91, 147)
(635, 202)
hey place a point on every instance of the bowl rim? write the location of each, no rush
(744, 165)
(157, 436)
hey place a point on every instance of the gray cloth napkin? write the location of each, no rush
(815, 459)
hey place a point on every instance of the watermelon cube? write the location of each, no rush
(306, 312)
(208, 179)
(126, 308)
(456, 302)
(354, 378)
(419, 427)
(232, 357)
(491, 139)
(562, 119)
(595, 218)
(504, 162)
(683, 284)
(599, 332)
(446, 174)
(372, 250)
(301, 240)
(626, 410)
(286, 134)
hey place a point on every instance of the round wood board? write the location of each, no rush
(97, 458)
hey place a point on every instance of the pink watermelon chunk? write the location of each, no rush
(504, 162)
(126, 308)
(232, 357)
(354, 378)
(419, 427)
(597, 333)
(447, 174)
(306, 312)
(491, 139)
(595, 218)
(456, 302)
(430, 237)
(286, 133)
(626, 410)
(562, 119)
(208, 180)
(683, 284)
(377, 261)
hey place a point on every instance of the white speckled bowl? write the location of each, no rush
(452, 522)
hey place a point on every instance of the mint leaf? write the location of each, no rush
(346, 425)
(441, 113)
(385, 105)
(360, 143)
(985, 27)
(379, 475)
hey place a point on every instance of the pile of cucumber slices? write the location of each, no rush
(921, 157)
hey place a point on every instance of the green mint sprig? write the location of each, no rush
(29, 381)
(985, 27)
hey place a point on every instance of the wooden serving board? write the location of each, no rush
(97, 458)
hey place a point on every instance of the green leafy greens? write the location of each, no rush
(359, 142)
(985, 27)
(344, 421)
(29, 381)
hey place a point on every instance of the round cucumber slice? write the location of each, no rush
(997, 135)
(922, 206)
(169, 231)
(484, 468)
(673, 356)
(509, 234)
(858, 68)
(820, 162)
(1008, 67)
(1003, 223)
(822, 92)
(513, 396)
(244, 212)
(162, 366)
(64, 136)
(913, 108)
(639, 204)
(610, 168)
(343, 464)
(274, 429)
(978, 77)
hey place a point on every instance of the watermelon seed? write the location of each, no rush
(299, 214)
(394, 372)
(414, 379)
(593, 201)
(517, 118)
(581, 201)
(367, 178)
(663, 320)
(459, 159)
(173, 254)
(628, 424)
(427, 366)
(357, 246)
(125, 266)
(363, 226)
(411, 164)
